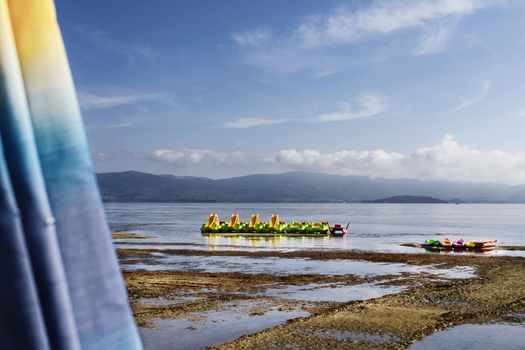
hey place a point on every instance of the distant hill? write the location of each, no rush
(132, 186)
(407, 199)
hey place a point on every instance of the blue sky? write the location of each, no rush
(413, 89)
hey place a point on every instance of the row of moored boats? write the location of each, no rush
(460, 244)
(274, 226)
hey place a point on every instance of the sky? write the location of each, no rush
(432, 90)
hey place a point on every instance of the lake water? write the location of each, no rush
(492, 336)
(380, 227)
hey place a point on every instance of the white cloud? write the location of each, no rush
(90, 101)
(192, 157)
(244, 123)
(466, 102)
(255, 37)
(370, 105)
(436, 38)
(316, 43)
(448, 160)
(381, 18)
(131, 51)
(349, 162)
(122, 124)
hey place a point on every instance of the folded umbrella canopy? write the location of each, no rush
(60, 284)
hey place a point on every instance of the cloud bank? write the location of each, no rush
(191, 157)
(448, 160)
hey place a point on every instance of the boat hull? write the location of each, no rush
(269, 234)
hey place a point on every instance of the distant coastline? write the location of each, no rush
(298, 187)
(408, 199)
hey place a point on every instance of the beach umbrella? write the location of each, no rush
(60, 284)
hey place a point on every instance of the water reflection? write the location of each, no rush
(289, 266)
(492, 336)
(212, 327)
(274, 243)
(379, 227)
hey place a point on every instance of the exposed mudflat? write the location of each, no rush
(209, 291)
(396, 310)
(127, 235)
(413, 259)
(405, 317)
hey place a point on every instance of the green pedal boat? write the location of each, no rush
(235, 227)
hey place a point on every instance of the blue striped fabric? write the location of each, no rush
(63, 286)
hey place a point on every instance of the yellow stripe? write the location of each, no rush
(39, 43)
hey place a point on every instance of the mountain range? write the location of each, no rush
(294, 187)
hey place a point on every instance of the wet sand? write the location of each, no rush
(200, 292)
(426, 303)
(407, 258)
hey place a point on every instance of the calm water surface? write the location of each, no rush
(380, 227)
(372, 226)
(493, 336)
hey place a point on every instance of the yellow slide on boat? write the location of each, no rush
(274, 222)
(234, 221)
(254, 221)
(212, 225)
(213, 220)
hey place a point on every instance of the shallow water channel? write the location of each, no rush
(212, 327)
(490, 336)
(289, 266)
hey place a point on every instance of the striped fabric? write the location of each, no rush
(60, 285)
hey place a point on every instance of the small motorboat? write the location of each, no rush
(339, 230)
